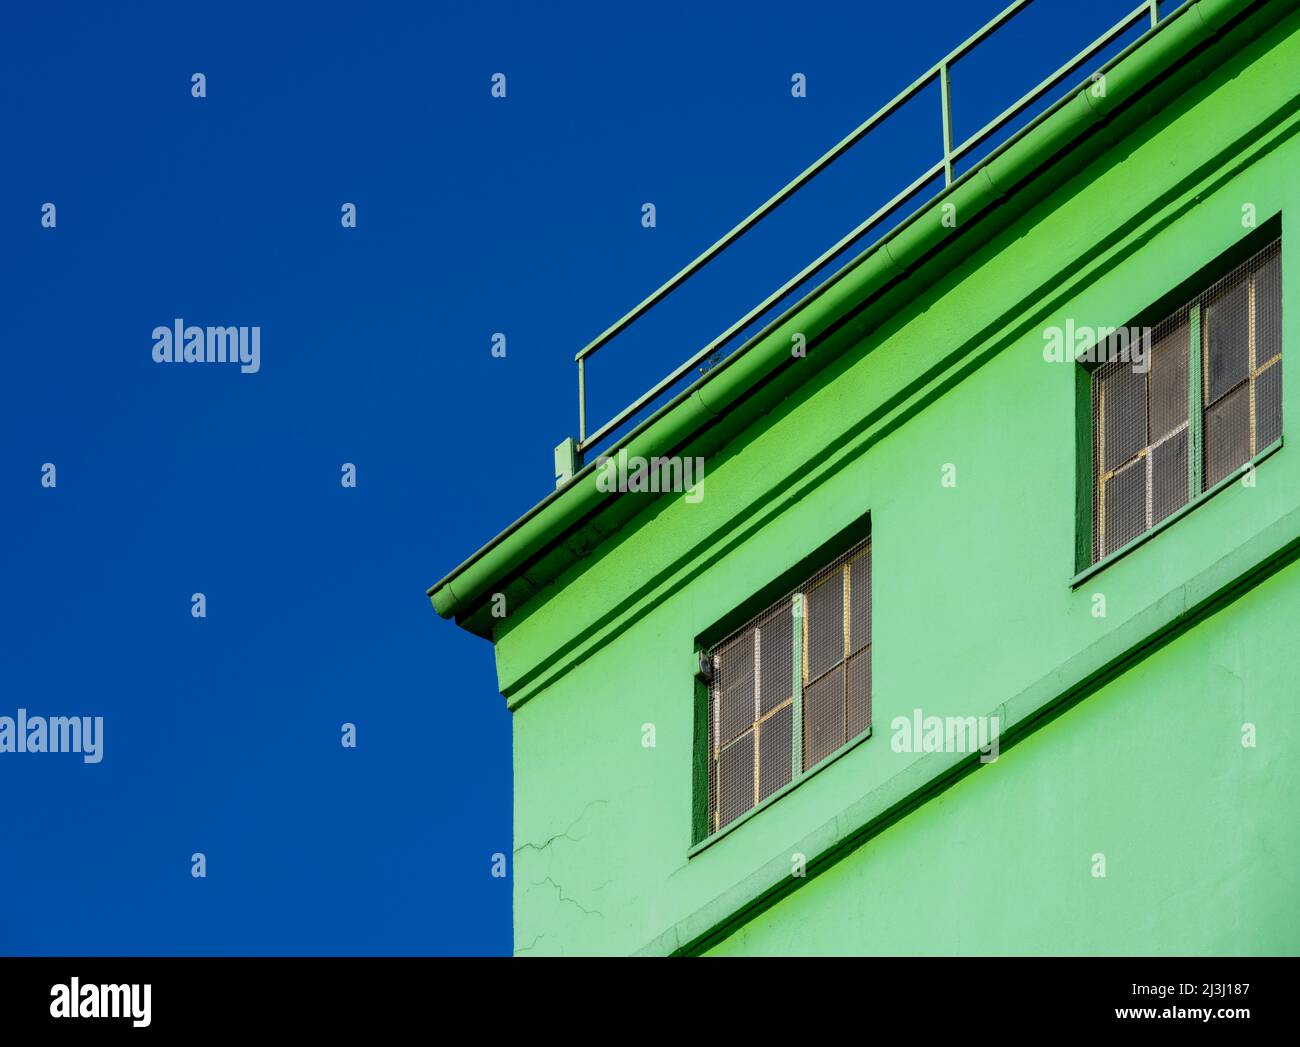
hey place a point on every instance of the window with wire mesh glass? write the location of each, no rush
(1208, 401)
(790, 687)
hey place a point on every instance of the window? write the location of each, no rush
(789, 688)
(1206, 400)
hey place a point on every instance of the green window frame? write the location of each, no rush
(1166, 425)
(786, 692)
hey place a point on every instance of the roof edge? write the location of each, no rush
(899, 252)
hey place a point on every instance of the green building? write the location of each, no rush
(979, 633)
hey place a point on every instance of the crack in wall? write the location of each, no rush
(560, 835)
(544, 848)
(530, 944)
(573, 901)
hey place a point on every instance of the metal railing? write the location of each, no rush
(1148, 9)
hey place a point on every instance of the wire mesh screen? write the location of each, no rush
(1241, 340)
(790, 687)
(1179, 407)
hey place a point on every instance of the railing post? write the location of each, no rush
(945, 96)
(582, 401)
(1155, 13)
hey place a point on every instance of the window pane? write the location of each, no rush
(775, 665)
(735, 779)
(1140, 477)
(1268, 309)
(1227, 334)
(1124, 395)
(756, 664)
(825, 624)
(775, 749)
(1125, 505)
(1268, 406)
(859, 694)
(860, 602)
(1227, 435)
(1169, 380)
(734, 682)
(823, 717)
(1168, 476)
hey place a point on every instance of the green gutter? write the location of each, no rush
(900, 252)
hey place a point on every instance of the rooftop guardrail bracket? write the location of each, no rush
(566, 461)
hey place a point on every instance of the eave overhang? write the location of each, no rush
(840, 314)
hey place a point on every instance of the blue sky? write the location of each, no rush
(475, 215)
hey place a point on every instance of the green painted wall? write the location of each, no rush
(973, 613)
(1199, 833)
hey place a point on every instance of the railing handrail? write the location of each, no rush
(951, 154)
